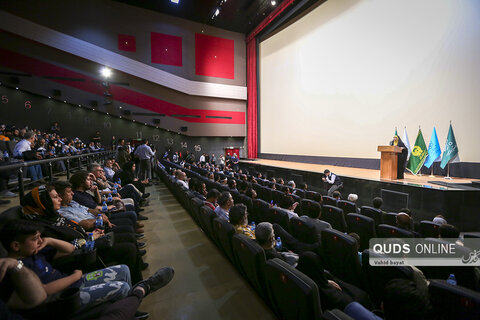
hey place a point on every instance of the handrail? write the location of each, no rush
(19, 166)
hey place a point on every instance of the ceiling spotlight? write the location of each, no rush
(273, 2)
(65, 101)
(79, 105)
(106, 72)
(93, 109)
(175, 1)
(217, 12)
(121, 107)
(108, 113)
(49, 97)
(120, 117)
(16, 88)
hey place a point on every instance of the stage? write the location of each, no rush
(457, 199)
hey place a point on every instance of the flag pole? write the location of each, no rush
(448, 172)
(431, 173)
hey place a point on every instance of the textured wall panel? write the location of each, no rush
(214, 56)
(127, 43)
(166, 49)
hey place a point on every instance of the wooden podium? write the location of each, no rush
(389, 161)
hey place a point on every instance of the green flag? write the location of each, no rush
(419, 154)
(451, 149)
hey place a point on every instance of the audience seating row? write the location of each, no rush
(291, 294)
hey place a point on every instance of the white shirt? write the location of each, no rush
(331, 178)
(202, 158)
(21, 147)
(183, 183)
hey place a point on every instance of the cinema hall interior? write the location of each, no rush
(240, 159)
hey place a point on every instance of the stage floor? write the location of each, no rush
(368, 174)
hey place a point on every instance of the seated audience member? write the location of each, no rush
(232, 184)
(265, 236)
(128, 194)
(251, 193)
(289, 205)
(199, 189)
(352, 197)
(126, 308)
(127, 176)
(337, 195)
(447, 231)
(377, 203)
(25, 146)
(403, 299)
(303, 186)
(110, 168)
(404, 221)
(22, 240)
(225, 202)
(334, 293)
(440, 220)
(317, 197)
(280, 181)
(123, 156)
(243, 186)
(44, 206)
(291, 184)
(313, 216)
(212, 197)
(182, 179)
(83, 190)
(239, 219)
(20, 288)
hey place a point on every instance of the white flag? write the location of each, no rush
(406, 142)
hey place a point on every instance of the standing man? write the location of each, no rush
(333, 181)
(144, 153)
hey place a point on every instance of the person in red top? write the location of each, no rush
(212, 197)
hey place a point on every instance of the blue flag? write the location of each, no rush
(434, 151)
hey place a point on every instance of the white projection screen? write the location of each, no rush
(339, 80)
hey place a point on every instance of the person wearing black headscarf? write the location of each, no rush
(402, 157)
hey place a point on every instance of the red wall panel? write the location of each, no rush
(127, 43)
(214, 57)
(166, 49)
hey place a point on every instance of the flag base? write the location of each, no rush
(449, 178)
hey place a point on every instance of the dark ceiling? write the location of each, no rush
(235, 15)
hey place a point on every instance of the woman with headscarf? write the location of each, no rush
(41, 206)
(402, 157)
(128, 176)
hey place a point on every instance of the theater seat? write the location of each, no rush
(341, 256)
(330, 201)
(206, 216)
(247, 201)
(335, 314)
(363, 226)
(279, 216)
(375, 214)
(303, 231)
(428, 229)
(277, 197)
(386, 231)
(335, 217)
(292, 294)
(390, 218)
(224, 231)
(311, 195)
(250, 261)
(347, 206)
(454, 302)
(306, 203)
(260, 209)
(195, 205)
(300, 193)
